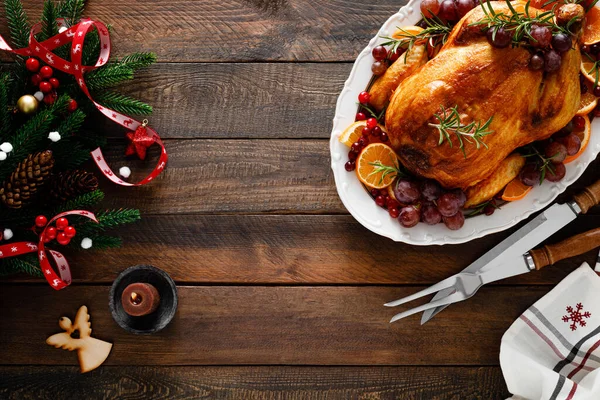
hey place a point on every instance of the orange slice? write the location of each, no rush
(406, 32)
(584, 135)
(515, 190)
(587, 104)
(352, 133)
(591, 30)
(375, 165)
(588, 70)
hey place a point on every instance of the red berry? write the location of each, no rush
(366, 131)
(394, 212)
(380, 201)
(32, 64)
(356, 147)
(50, 98)
(363, 141)
(61, 223)
(350, 165)
(70, 231)
(371, 123)
(391, 203)
(51, 232)
(376, 131)
(62, 238)
(36, 79)
(384, 137)
(578, 122)
(41, 221)
(54, 82)
(374, 192)
(364, 98)
(352, 155)
(45, 87)
(359, 116)
(72, 105)
(489, 209)
(46, 72)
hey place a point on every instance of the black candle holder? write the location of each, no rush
(154, 321)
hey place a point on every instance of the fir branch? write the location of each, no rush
(69, 156)
(23, 264)
(136, 61)
(82, 202)
(122, 103)
(109, 75)
(109, 219)
(102, 242)
(71, 11)
(49, 24)
(5, 114)
(17, 23)
(21, 217)
(72, 123)
(91, 48)
(449, 122)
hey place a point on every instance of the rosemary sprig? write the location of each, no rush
(545, 163)
(436, 30)
(386, 170)
(594, 68)
(450, 123)
(480, 209)
(519, 23)
(379, 117)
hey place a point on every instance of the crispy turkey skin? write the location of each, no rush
(483, 82)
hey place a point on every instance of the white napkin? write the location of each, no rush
(552, 351)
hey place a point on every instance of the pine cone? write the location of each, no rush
(67, 185)
(26, 179)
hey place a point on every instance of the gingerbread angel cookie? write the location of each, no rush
(91, 352)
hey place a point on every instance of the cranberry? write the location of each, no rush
(394, 212)
(360, 116)
(364, 98)
(350, 166)
(371, 123)
(376, 131)
(384, 137)
(578, 122)
(380, 201)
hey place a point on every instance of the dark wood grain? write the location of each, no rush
(227, 325)
(292, 249)
(249, 383)
(213, 30)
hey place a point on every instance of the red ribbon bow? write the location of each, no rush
(57, 282)
(76, 35)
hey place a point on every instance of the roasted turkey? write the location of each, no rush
(483, 82)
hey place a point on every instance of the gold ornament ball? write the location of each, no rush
(27, 104)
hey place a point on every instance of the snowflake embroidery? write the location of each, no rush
(13, 249)
(576, 316)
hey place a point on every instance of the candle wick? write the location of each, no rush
(135, 298)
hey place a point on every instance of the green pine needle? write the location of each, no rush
(107, 220)
(82, 202)
(27, 264)
(49, 24)
(5, 114)
(123, 104)
(138, 60)
(71, 11)
(17, 23)
(108, 76)
(72, 123)
(102, 242)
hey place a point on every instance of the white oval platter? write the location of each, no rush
(362, 207)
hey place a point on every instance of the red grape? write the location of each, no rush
(409, 216)
(464, 6)
(455, 222)
(536, 62)
(448, 204)
(430, 8)
(578, 122)
(430, 190)
(462, 197)
(499, 37)
(448, 10)
(572, 143)
(541, 36)
(552, 61)
(530, 175)
(566, 130)
(378, 68)
(406, 191)
(379, 53)
(431, 215)
(556, 151)
(558, 172)
(561, 42)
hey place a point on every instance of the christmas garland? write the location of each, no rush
(42, 143)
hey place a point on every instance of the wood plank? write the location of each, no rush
(292, 249)
(239, 30)
(264, 383)
(257, 325)
(247, 100)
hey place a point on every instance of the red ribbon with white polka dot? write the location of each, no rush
(56, 281)
(76, 35)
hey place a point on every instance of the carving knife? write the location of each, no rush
(527, 237)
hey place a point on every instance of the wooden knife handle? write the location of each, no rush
(571, 247)
(589, 197)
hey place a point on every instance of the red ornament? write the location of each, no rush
(54, 82)
(72, 105)
(139, 141)
(50, 98)
(61, 238)
(46, 72)
(70, 231)
(32, 64)
(51, 233)
(61, 223)
(36, 79)
(45, 87)
(40, 220)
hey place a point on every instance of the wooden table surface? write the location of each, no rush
(281, 290)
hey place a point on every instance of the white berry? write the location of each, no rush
(2, 156)
(39, 95)
(86, 243)
(6, 147)
(62, 29)
(124, 172)
(7, 234)
(54, 136)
